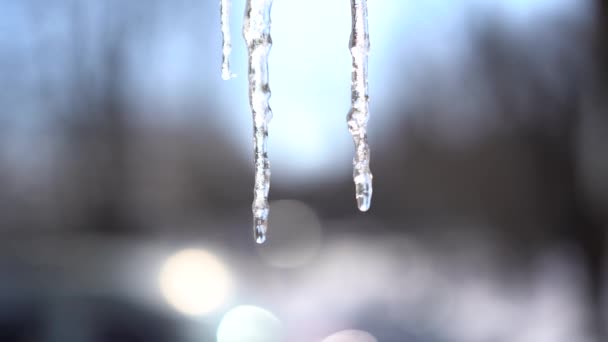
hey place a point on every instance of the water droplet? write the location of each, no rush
(363, 190)
(259, 230)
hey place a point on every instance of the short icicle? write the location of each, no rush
(256, 32)
(359, 113)
(225, 6)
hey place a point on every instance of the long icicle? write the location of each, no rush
(225, 6)
(359, 112)
(256, 31)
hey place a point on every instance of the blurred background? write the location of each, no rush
(126, 174)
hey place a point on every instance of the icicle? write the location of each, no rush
(256, 31)
(359, 112)
(226, 39)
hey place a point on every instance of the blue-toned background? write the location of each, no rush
(126, 174)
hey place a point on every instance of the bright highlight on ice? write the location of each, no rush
(359, 112)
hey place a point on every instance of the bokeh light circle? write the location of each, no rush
(250, 324)
(351, 336)
(194, 282)
(295, 237)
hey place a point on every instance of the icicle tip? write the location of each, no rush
(259, 232)
(363, 191)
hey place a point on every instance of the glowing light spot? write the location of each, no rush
(295, 237)
(351, 336)
(251, 324)
(194, 282)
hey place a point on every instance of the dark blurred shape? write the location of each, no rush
(121, 321)
(21, 321)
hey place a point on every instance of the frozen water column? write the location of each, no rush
(358, 115)
(256, 31)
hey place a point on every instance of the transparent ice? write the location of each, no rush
(256, 31)
(359, 113)
(225, 6)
